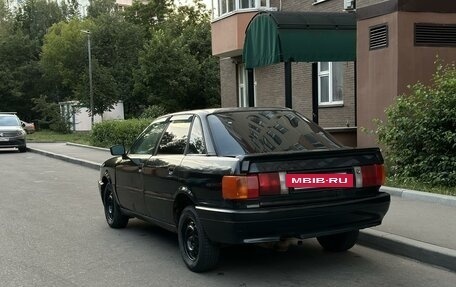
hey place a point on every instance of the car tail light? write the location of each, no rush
(373, 175)
(240, 187)
(269, 183)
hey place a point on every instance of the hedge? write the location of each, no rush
(108, 133)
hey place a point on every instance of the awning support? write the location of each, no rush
(315, 92)
(250, 87)
(288, 90)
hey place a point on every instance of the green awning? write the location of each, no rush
(273, 37)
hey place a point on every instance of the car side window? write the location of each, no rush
(196, 143)
(175, 138)
(147, 142)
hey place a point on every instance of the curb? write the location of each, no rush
(421, 251)
(78, 161)
(420, 195)
(86, 146)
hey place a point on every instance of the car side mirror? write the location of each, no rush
(23, 125)
(117, 150)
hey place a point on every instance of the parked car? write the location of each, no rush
(222, 176)
(12, 135)
(28, 127)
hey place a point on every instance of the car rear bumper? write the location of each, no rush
(304, 221)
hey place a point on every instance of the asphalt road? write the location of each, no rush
(53, 233)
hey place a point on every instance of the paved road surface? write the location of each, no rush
(53, 233)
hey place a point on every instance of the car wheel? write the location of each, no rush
(339, 242)
(22, 149)
(198, 252)
(113, 215)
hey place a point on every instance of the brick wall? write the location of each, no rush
(228, 83)
(270, 81)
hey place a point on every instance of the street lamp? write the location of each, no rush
(90, 76)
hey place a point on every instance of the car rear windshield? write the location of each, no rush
(248, 132)
(9, 121)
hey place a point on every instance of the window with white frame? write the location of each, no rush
(330, 83)
(227, 6)
(242, 83)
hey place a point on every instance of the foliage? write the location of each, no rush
(154, 53)
(420, 132)
(176, 68)
(100, 7)
(34, 17)
(153, 112)
(19, 73)
(51, 117)
(109, 133)
(149, 13)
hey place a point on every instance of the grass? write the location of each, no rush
(50, 136)
(414, 185)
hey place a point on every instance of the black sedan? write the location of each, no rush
(236, 175)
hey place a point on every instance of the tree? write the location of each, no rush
(148, 14)
(35, 17)
(64, 58)
(19, 73)
(116, 45)
(176, 68)
(100, 7)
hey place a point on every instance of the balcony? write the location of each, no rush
(231, 18)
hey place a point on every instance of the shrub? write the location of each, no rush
(153, 112)
(108, 133)
(420, 133)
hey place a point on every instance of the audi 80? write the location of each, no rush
(240, 176)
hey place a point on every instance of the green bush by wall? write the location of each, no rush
(420, 131)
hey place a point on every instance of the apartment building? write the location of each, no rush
(342, 94)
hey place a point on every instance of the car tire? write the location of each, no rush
(198, 251)
(114, 216)
(22, 149)
(339, 242)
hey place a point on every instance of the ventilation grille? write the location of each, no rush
(441, 35)
(378, 37)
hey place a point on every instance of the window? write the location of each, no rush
(175, 137)
(147, 141)
(330, 83)
(227, 6)
(196, 143)
(250, 132)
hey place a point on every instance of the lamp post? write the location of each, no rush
(90, 76)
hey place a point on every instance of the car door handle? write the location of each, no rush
(141, 165)
(171, 169)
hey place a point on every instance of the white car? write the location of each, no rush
(12, 135)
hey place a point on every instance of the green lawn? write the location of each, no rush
(50, 136)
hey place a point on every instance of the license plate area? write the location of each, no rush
(307, 181)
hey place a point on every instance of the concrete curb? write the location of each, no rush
(420, 195)
(421, 251)
(86, 146)
(85, 163)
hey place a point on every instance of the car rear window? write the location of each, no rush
(247, 132)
